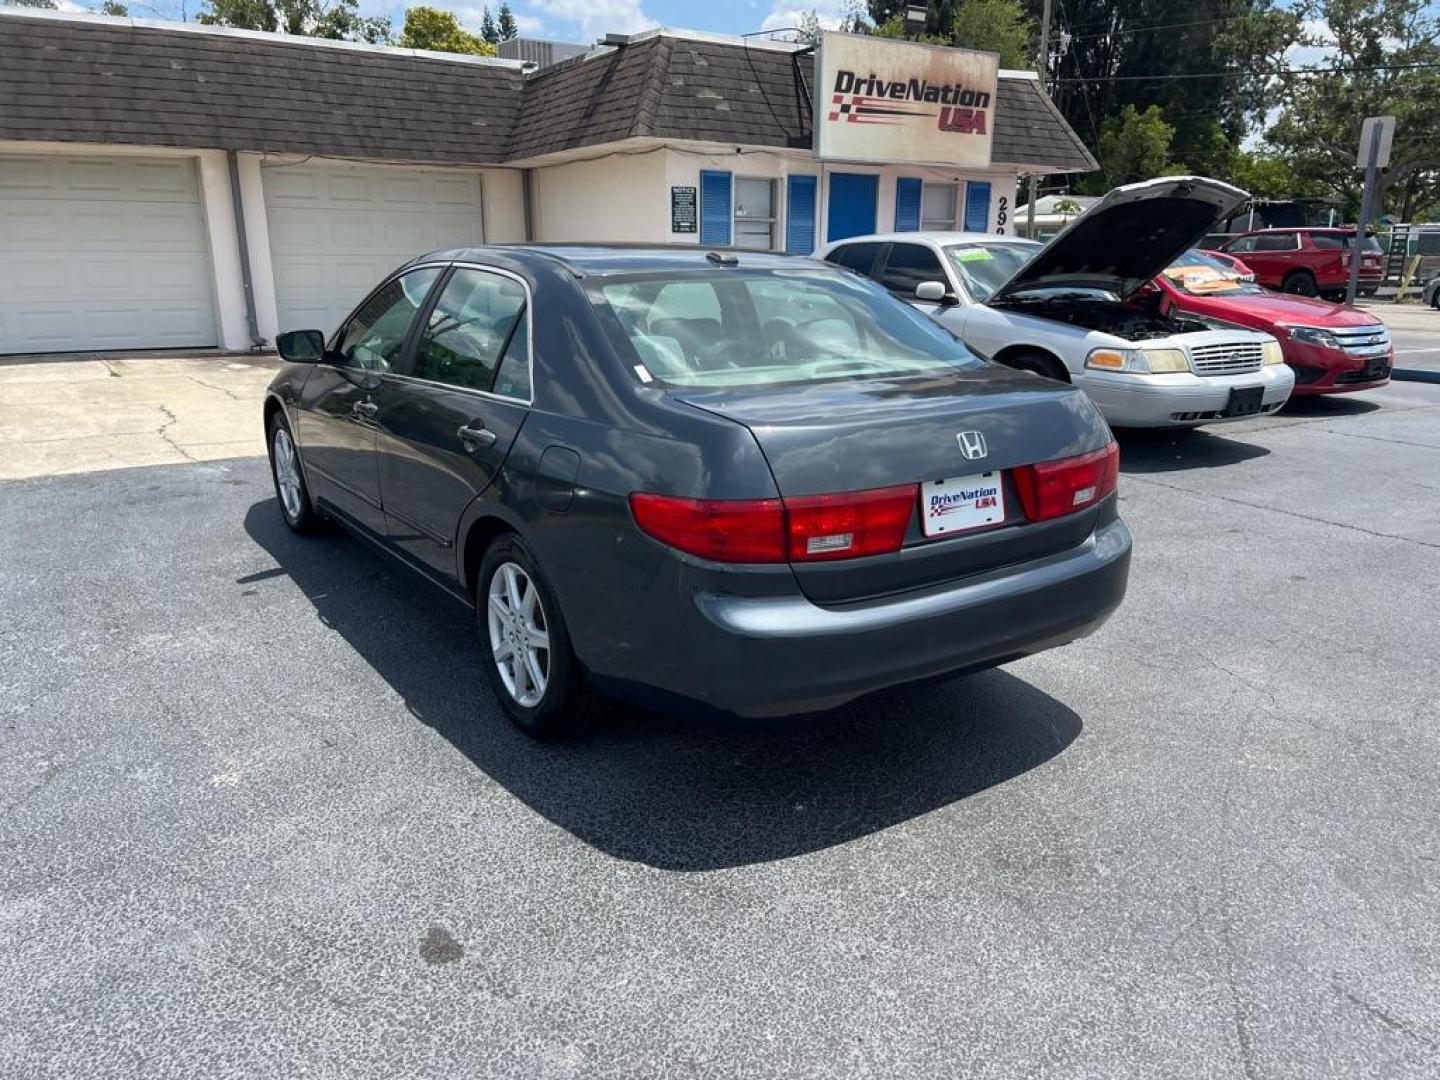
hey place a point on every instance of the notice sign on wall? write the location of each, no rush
(682, 209)
(895, 101)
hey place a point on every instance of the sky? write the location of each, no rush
(586, 20)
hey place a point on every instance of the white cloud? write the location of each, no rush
(595, 18)
(787, 13)
(1311, 55)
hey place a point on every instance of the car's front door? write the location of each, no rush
(466, 393)
(340, 404)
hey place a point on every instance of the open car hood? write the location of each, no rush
(1128, 237)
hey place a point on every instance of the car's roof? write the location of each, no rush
(933, 236)
(1300, 228)
(585, 260)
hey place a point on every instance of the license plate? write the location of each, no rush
(1246, 401)
(961, 503)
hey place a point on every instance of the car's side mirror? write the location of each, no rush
(935, 292)
(301, 346)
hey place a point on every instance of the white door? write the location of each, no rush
(337, 230)
(102, 253)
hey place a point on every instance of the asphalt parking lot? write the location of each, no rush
(258, 816)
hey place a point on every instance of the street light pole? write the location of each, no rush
(1044, 71)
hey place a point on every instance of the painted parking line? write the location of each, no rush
(1399, 352)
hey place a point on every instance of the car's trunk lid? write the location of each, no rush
(855, 435)
(1127, 238)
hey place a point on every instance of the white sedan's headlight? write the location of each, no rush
(1272, 352)
(1138, 361)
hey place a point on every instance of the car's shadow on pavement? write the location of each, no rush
(1158, 450)
(672, 793)
(1327, 405)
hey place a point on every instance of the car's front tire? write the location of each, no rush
(291, 491)
(1040, 364)
(526, 647)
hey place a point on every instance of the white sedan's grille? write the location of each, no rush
(1230, 358)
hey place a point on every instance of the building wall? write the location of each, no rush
(620, 196)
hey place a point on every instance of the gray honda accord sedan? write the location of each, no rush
(756, 483)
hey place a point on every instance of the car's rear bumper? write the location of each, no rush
(1182, 399)
(780, 654)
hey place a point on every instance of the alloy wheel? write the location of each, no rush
(287, 474)
(519, 634)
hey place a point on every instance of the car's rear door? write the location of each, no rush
(341, 398)
(465, 392)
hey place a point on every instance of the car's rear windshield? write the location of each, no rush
(734, 327)
(1196, 273)
(985, 267)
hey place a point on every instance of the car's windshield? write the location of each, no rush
(732, 327)
(1198, 274)
(983, 268)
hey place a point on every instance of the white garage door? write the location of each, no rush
(336, 230)
(102, 253)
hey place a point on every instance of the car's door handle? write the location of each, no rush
(472, 436)
(364, 410)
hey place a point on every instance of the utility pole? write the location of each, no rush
(1044, 78)
(1375, 137)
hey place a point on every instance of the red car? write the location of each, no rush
(1308, 262)
(1332, 347)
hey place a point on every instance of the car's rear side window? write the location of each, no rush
(857, 257)
(473, 321)
(737, 328)
(1286, 241)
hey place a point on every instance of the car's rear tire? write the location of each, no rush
(1039, 363)
(1300, 283)
(526, 647)
(291, 492)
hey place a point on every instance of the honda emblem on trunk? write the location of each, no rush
(972, 445)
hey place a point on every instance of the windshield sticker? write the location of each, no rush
(974, 255)
(644, 373)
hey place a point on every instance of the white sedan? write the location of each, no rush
(1076, 308)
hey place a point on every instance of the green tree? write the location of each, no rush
(488, 30)
(440, 31)
(999, 26)
(114, 7)
(506, 23)
(1133, 146)
(1384, 60)
(337, 19)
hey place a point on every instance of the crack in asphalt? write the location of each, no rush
(164, 429)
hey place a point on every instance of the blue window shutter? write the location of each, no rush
(852, 205)
(800, 215)
(907, 204)
(977, 206)
(714, 208)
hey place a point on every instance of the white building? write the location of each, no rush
(170, 185)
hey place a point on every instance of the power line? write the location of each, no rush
(1251, 74)
(1155, 26)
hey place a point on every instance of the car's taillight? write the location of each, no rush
(1051, 489)
(803, 529)
(844, 526)
(725, 530)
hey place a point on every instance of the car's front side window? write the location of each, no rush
(907, 266)
(475, 318)
(374, 336)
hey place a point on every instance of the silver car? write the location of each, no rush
(1083, 309)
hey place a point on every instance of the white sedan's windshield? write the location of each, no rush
(742, 328)
(984, 267)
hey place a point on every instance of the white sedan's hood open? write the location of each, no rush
(1128, 237)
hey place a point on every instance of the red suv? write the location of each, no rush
(1308, 262)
